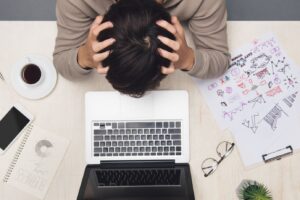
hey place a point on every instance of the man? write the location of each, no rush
(78, 50)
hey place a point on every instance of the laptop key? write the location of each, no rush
(172, 124)
(128, 131)
(122, 131)
(111, 149)
(163, 143)
(125, 137)
(108, 144)
(105, 149)
(117, 149)
(119, 137)
(109, 154)
(148, 149)
(97, 137)
(115, 154)
(131, 137)
(132, 143)
(140, 125)
(134, 131)
(161, 137)
(96, 144)
(99, 132)
(98, 150)
(109, 131)
(139, 143)
(137, 137)
(157, 143)
(153, 154)
(121, 125)
(158, 131)
(165, 153)
(123, 149)
(106, 137)
(128, 154)
(96, 154)
(178, 124)
(169, 142)
(146, 131)
(142, 149)
(114, 143)
(164, 131)
(102, 144)
(152, 131)
(143, 137)
(172, 148)
(160, 149)
(158, 125)
(129, 149)
(176, 142)
(140, 131)
(113, 137)
(178, 148)
(120, 143)
(154, 149)
(151, 143)
(136, 149)
(116, 131)
(176, 137)
(145, 143)
(166, 124)
(114, 125)
(126, 143)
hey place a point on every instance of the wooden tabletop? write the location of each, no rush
(62, 113)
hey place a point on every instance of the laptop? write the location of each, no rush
(137, 148)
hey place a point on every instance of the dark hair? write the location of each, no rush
(135, 64)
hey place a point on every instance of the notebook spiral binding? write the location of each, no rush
(18, 153)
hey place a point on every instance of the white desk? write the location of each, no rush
(63, 113)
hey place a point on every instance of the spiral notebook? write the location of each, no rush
(36, 161)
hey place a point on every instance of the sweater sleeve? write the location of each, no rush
(209, 30)
(73, 27)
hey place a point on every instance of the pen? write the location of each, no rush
(1, 76)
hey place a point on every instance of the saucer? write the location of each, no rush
(40, 89)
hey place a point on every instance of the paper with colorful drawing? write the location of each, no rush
(257, 97)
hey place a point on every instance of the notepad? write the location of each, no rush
(36, 161)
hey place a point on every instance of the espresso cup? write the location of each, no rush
(31, 74)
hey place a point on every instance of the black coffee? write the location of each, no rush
(31, 73)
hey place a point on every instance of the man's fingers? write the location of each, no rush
(177, 25)
(173, 57)
(168, 70)
(166, 25)
(98, 46)
(101, 27)
(99, 57)
(96, 22)
(102, 70)
(170, 43)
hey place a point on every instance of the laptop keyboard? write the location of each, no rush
(138, 177)
(141, 138)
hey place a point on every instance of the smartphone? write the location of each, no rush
(12, 123)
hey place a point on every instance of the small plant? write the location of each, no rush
(252, 190)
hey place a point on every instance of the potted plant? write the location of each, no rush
(252, 190)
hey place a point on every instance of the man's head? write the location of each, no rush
(134, 62)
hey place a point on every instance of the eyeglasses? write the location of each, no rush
(210, 165)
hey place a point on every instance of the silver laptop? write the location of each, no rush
(135, 146)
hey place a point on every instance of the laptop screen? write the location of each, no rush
(143, 183)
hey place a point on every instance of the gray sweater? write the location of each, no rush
(206, 20)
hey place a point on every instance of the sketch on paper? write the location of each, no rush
(252, 123)
(272, 117)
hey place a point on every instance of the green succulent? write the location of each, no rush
(251, 190)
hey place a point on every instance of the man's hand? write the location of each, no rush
(183, 56)
(88, 55)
